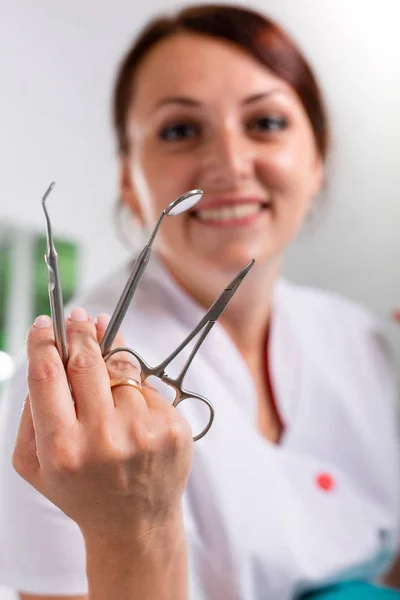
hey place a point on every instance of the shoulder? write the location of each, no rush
(339, 329)
(327, 310)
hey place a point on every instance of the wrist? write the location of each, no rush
(152, 563)
(143, 539)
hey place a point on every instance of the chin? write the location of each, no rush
(227, 259)
(231, 260)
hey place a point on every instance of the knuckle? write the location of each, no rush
(137, 434)
(176, 434)
(82, 361)
(150, 442)
(104, 438)
(161, 437)
(122, 365)
(18, 461)
(109, 445)
(44, 370)
(63, 460)
(24, 461)
(145, 442)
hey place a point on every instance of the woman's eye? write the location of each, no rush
(178, 132)
(268, 124)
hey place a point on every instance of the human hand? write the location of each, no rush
(117, 461)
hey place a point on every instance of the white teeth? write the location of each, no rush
(229, 213)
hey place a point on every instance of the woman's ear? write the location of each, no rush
(127, 189)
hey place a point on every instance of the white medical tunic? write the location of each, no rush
(263, 521)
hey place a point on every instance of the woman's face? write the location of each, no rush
(207, 115)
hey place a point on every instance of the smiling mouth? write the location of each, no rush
(231, 213)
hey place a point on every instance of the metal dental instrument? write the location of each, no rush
(55, 289)
(178, 206)
(207, 322)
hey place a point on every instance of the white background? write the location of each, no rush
(57, 62)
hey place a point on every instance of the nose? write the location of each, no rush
(228, 161)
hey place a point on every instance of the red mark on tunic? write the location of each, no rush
(325, 482)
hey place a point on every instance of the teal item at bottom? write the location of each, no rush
(354, 590)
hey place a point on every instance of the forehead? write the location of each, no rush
(200, 66)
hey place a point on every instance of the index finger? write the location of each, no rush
(51, 400)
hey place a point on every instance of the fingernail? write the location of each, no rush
(78, 314)
(42, 321)
(103, 320)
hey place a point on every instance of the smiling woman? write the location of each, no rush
(295, 486)
(179, 111)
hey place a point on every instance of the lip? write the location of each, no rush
(222, 201)
(236, 222)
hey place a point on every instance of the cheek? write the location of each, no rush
(288, 170)
(289, 175)
(159, 178)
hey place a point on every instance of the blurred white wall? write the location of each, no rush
(57, 62)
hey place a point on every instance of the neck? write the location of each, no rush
(247, 315)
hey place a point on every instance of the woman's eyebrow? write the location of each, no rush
(182, 100)
(187, 101)
(262, 96)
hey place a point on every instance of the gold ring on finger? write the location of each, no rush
(126, 381)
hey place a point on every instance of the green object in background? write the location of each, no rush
(67, 256)
(353, 590)
(34, 288)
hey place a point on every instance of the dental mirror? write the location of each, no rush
(183, 203)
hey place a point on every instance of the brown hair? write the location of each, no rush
(257, 35)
